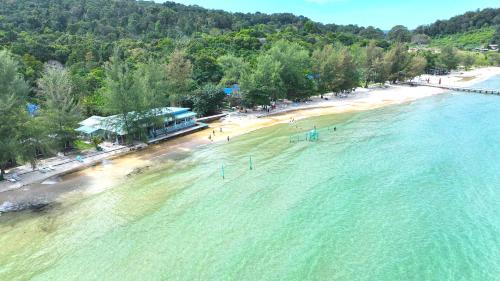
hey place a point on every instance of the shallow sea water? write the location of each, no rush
(407, 192)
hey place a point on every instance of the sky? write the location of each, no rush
(383, 14)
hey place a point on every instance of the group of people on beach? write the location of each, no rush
(211, 138)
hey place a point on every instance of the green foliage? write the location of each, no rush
(14, 120)
(151, 84)
(396, 60)
(372, 64)
(216, 47)
(176, 54)
(96, 141)
(468, 40)
(372, 33)
(415, 67)
(179, 73)
(399, 34)
(335, 69)
(233, 69)
(431, 58)
(265, 82)
(206, 69)
(295, 65)
(448, 58)
(496, 35)
(468, 60)
(463, 23)
(122, 98)
(207, 100)
(494, 59)
(81, 145)
(60, 111)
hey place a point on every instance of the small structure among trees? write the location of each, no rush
(155, 123)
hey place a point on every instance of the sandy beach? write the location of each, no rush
(97, 178)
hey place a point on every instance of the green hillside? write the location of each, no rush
(468, 40)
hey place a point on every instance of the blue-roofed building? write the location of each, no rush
(112, 127)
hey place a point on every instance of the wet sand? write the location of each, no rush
(101, 177)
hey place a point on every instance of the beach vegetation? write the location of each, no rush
(16, 125)
(400, 34)
(84, 58)
(448, 58)
(60, 110)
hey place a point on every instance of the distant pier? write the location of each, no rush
(458, 89)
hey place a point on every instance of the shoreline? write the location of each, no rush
(105, 173)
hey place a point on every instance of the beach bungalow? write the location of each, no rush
(112, 128)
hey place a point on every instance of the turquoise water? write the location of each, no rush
(408, 192)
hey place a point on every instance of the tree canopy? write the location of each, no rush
(77, 58)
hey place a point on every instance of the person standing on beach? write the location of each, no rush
(227, 138)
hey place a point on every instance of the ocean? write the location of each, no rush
(405, 192)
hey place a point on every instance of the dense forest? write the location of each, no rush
(462, 23)
(75, 58)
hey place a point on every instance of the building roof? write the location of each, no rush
(185, 115)
(115, 124)
(87, 130)
(92, 121)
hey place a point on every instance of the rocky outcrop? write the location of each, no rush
(35, 206)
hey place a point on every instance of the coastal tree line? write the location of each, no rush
(282, 70)
(73, 59)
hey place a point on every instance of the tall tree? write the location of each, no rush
(13, 115)
(296, 64)
(234, 68)
(60, 109)
(121, 97)
(400, 34)
(206, 69)
(336, 69)
(349, 71)
(396, 60)
(448, 58)
(207, 100)
(415, 67)
(179, 77)
(151, 83)
(326, 67)
(373, 58)
(372, 33)
(468, 61)
(264, 84)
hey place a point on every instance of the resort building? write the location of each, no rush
(167, 120)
